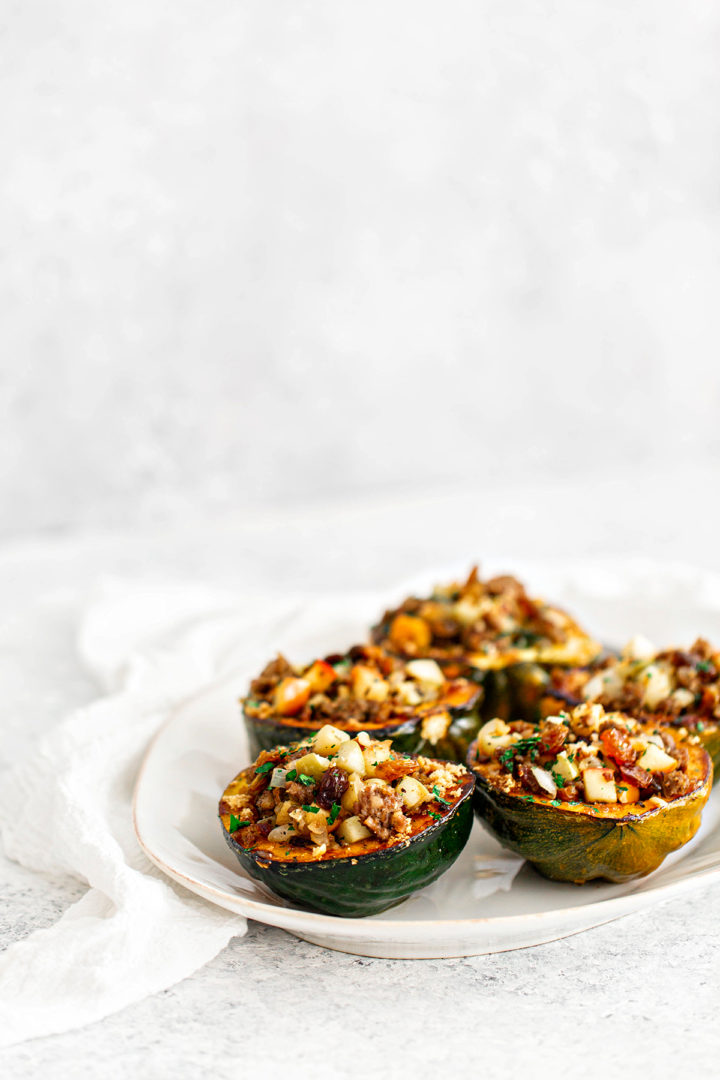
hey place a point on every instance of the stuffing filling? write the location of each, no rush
(331, 791)
(587, 755)
(365, 687)
(677, 687)
(487, 621)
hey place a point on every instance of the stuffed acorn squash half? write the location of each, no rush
(411, 702)
(486, 625)
(347, 826)
(677, 688)
(588, 793)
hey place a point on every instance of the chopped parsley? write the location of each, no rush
(252, 703)
(437, 817)
(334, 811)
(699, 726)
(236, 823)
(556, 802)
(306, 780)
(266, 767)
(438, 796)
(522, 746)
(291, 774)
(311, 809)
(703, 665)
(559, 780)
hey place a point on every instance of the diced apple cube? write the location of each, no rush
(426, 671)
(367, 684)
(656, 685)
(350, 758)
(328, 739)
(350, 798)
(639, 648)
(565, 767)
(320, 676)
(352, 829)
(607, 682)
(291, 695)
(312, 765)
(408, 693)
(466, 612)
(375, 755)
(599, 785)
(628, 793)
(656, 760)
(684, 697)
(412, 792)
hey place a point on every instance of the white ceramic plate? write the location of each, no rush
(203, 745)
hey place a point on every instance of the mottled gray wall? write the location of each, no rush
(264, 252)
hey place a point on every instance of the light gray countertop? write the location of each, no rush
(640, 994)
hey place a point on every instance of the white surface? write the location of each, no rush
(641, 979)
(272, 252)
(202, 746)
(119, 942)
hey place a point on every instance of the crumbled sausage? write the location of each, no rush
(380, 810)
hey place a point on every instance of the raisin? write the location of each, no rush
(641, 778)
(617, 745)
(552, 737)
(331, 788)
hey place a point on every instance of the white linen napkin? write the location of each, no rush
(66, 809)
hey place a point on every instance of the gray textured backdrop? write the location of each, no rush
(260, 253)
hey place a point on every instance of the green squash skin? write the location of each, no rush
(406, 737)
(710, 740)
(576, 846)
(371, 883)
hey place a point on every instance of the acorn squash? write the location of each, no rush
(581, 840)
(486, 625)
(368, 871)
(364, 689)
(677, 688)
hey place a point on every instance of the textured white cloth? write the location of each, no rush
(66, 809)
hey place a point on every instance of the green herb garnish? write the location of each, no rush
(306, 780)
(559, 780)
(437, 817)
(266, 767)
(334, 811)
(699, 726)
(291, 774)
(311, 809)
(702, 665)
(438, 796)
(236, 823)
